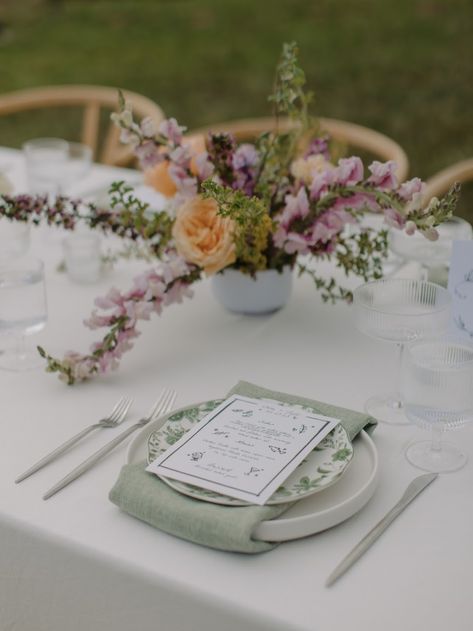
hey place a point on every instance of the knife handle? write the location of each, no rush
(90, 461)
(414, 488)
(55, 453)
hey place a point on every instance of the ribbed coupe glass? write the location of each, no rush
(399, 310)
(437, 391)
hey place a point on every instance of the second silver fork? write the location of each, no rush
(116, 416)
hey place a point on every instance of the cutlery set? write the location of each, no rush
(163, 405)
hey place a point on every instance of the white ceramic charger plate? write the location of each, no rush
(311, 514)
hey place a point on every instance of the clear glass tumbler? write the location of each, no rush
(45, 159)
(437, 392)
(398, 311)
(82, 256)
(23, 310)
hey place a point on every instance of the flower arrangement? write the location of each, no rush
(276, 202)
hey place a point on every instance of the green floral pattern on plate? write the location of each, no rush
(321, 468)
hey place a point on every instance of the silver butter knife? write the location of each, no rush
(415, 487)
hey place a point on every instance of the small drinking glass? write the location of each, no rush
(45, 158)
(437, 391)
(76, 166)
(82, 257)
(398, 311)
(23, 310)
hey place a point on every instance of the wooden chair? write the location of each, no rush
(92, 99)
(439, 183)
(344, 132)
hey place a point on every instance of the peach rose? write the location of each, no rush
(202, 236)
(158, 176)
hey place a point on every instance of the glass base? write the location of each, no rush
(11, 359)
(386, 409)
(444, 460)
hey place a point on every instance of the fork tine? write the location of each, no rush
(166, 401)
(157, 403)
(116, 407)
(124, 410)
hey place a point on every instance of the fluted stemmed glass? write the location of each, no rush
(437, 391)
(398, 310)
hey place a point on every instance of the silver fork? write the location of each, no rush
(162, 405)
(116, 416)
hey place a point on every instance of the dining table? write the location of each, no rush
(75, 562)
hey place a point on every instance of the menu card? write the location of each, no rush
(460, 286)
(245, 448)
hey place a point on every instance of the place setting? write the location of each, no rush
(251, 469)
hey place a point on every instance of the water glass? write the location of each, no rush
(437, 392)
(76, 166)
(23, 310)
(45, 158)
(399, 310)
(82, 257)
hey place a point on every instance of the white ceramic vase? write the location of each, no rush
(267, 292)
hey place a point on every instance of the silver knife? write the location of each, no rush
(415, 487)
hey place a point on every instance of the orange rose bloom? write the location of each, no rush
(202, 236)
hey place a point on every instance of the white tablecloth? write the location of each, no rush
(76, 562)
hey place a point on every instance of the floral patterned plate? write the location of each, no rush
(321, 468)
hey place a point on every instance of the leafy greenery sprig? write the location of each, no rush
(361, 253)
(252, 220)
(128, 217)
(279, 149)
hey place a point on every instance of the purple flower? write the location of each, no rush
(245, 156)
(318, 146)
(383, 175)
(297, 207)
(203, 167)
(185, 183)
(148, 154)
(408, 189)
(329, 225)
(148, 127)
(357, 202)
(170, 129)
(320, 184)
(394, 218)
(349, 171)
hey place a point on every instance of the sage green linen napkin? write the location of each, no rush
(146, 497)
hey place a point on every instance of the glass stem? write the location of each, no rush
(397, 401)
(20, 346)
(436, 444)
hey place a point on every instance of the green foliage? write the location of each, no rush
(252, 221)
(360, 254)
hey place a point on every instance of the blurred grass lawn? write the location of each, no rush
(403, 68)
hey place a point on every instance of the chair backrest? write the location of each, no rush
(92, 99)
(439, 183)
(341, 131)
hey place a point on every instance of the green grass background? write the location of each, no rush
(403, 67)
